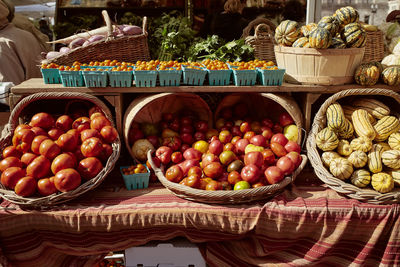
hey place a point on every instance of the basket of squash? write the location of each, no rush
(327, 52)
(354, 144)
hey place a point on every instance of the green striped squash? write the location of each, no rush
(377, 64)
(327, 140)
(391, 159)
(354, 35)
(328, 156)
(375, 158)
(341, 168)
(391, 75)
(335, 118)
(287, 32)
(346, 15)
(394, 141)
(337, 43)
(382, 182)
(329, 23)
(358, 158)
(361, 178)
(306, 29)
(347, 130)
(366, 74)
(320, 38)
(301, 42)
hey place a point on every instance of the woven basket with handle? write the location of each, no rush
(129, 48)
(222, 196)
(45, 101)
(374, 47)
(263, 40)
(363, 194)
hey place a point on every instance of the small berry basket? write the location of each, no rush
(219, 77)
(72, 78)
(135, 181)
(51, 76)
(244, 77)
(170, 77)
(120, 78)
(193, 75)
(270, 76)
(95, 78)
(145, 78)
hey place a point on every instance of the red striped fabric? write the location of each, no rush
(302, 226)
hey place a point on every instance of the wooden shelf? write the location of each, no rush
(37, 85)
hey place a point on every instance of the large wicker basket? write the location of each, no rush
(261, 105)
(129, 48)
(222, 196)
(263, 40)
(149, 108)
(43, 102)
(368, 195)
(374, 47)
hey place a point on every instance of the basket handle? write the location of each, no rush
(254, 23)
(13, 121)
(259, 31)
(144, 25)
(108, 22)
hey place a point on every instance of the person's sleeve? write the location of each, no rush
(11, 66)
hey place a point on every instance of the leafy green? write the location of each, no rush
(235, 50)
(202, 49)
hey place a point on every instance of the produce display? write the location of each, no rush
(52, 154)
(239, 153)
(360, 144)
(341, 30)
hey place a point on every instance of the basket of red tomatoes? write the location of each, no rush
(55, 147)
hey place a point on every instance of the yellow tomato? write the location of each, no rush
(201, 146)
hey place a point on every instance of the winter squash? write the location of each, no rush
(301, 42)
(344, 148)
(361, 178)
(361, 143)
(358, 158)
(287, 32)
(329, 23)
(354, 35)
(320, 38)
(391, 75)
(328, 156)
(306, 29)
(346, 15)
(327, 140)
(338, 43)
(382, 182)
(366, 74)
(341, 168)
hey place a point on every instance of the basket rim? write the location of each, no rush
(223, 196)
(59, 197)
(348, 189)
(317, 51)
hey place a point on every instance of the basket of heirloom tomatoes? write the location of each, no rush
(55, 147)
(252, 152)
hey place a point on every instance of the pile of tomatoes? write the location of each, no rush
(55, 154)
(146, 65)
(134, 169)
(215, 64)
(251, 65)
(169, 65)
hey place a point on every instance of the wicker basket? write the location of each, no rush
(263, 104)
(149, 109)
(221, 196)
(368, 195)
(35, 103)
(263, 40)
(130, 48)
(374, 47)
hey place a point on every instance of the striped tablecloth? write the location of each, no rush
(302, 226)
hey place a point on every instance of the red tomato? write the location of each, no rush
(273, 174)
(92, 147)
(67, 142)
(26, 186)
(88, 133)
(46, 187)
(106, 152)
(54, 133)
(81, 124)
(67, 180)
(278, 149)
(11, 176)
(42, 120)
(99, 122)
(11, 151)
(250, 173)
(39, 167)
(36, 143)
(109, 134)
(89, 167)
(27, 158)
(64, 123)
(193, 181)
(174, 174)
(49, 149)
(286, 165)
(213, 170)
(176, 157)
(38, 131)
(234, 177)
(62, 161)
(10, 162)
(22, 139)
(22, 126)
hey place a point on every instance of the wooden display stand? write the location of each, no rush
(114, 95)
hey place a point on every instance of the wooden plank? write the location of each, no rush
(37, 85)
(310, 99)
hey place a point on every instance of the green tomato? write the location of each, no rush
(241, 185)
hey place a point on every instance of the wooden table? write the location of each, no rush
(308, 93)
